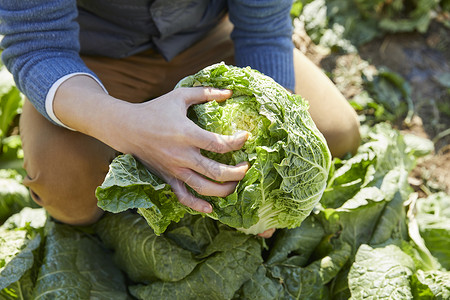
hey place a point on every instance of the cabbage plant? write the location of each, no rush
(289, 158)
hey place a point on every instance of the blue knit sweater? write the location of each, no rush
(41, 42)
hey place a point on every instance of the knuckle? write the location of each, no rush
(218, 147)
(186, 200)
(180, 173)
(208, 91)
(180, 93)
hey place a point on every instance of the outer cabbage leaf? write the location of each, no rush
(348, 24)
(382, 273)
(13, 197)
(142, 254)
(16, 255)
(20, 239)
(371, 190)
(261, 286)
(289, 158)
(433, 219)
(76, 266)
(129, 184)
(433, 284)
(229, 261)
(300, 241)
(284, 281)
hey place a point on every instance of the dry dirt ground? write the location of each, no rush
(422, 59)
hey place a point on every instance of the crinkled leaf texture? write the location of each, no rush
(433, 219)
(432, 284)
(287, 281)
(76, 266)
(226, 260)
(16, 254)
(13, 197)
(382, 273)
(20, 239)
(143, 255)
(288, 155)
(300, 241)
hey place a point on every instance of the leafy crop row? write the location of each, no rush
(371, 235)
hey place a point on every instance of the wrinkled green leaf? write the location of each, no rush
(261, 286)
(288, 155)
(433, 219)
(309, 282)
(76, 266)
(218, 277)
(431, 285)
(382, 273)
(20, 238)
(142, 254)
(16, 255)
(129, 184)
(300, 241)
(13, 197)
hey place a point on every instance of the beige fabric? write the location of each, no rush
(64, 167)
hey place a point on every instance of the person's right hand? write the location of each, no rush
(159, 134)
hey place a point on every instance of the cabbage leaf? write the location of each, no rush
(289, 158)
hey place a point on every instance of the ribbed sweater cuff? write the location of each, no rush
(274, 63)
(42, 75)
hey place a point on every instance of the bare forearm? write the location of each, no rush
(81, 104)
(169, 149)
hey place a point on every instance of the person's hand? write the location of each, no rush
(268, 233)
(158, 133)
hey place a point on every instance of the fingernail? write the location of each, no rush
(241, 134)
(244, 163)
(207, 209)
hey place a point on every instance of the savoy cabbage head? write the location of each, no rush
(288, 155)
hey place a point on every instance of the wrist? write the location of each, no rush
(82, 104)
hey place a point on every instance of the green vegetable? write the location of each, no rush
(289, 158)
(433, 219)
(345, 24)
(195, 259)
(20, 240)
(369, 237)
(382, 273)
(13, 195)
(76, 266)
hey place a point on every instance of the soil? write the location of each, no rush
(422, 59)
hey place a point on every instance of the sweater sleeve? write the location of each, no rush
(40, 45)
(262, 37)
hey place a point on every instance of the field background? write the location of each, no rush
(346, 40)
(391, 60)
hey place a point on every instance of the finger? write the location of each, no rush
(187, 199)
(196, 95)
(268, 233)
(206, 187)
(218, 171)
(214, 142)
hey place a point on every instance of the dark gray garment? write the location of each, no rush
(120, 28)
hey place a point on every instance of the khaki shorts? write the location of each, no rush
(64, 167)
